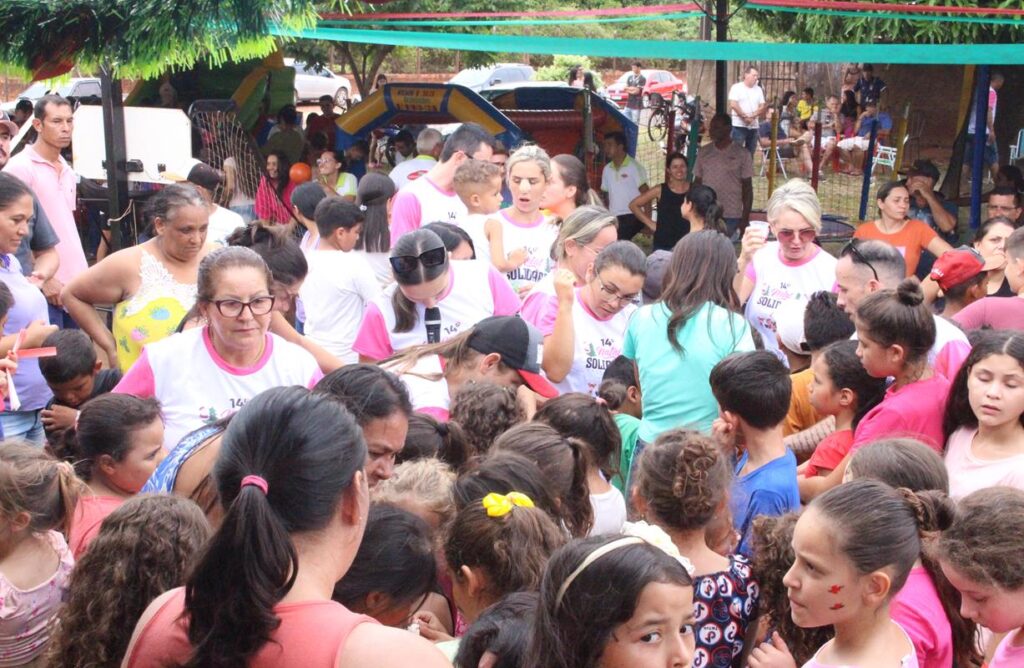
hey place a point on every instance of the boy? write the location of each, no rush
(74, 376)
(1001, 312)
(339, 284)
(478, 184)
(962, 275)
(753, 392)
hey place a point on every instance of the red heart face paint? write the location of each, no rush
(835, 589)
(837, 606)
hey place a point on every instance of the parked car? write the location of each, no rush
(78, 87)
(311, 85)
(662, 82)
(479, 78)
(498, 89)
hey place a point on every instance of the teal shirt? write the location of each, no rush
(629, 429)
(674, 386)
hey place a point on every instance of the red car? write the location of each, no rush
(662, 82)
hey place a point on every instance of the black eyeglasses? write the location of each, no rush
(232, 308)
(404, 264)
(851, 249)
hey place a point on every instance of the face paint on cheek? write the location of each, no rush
(835, 589)
(837, 606)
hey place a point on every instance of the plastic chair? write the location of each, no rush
(1017, 150)
(778, 160)
(886, 157)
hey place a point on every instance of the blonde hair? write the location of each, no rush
(34, 482)
(582, 226)
(797, 196)
(529, 153)
(427, 481)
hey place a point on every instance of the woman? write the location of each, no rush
(909, 237)
(333, 178)
(454, 296)
(456, 240)
(375, 194)
(575, 78)
(502, 350)
(152, 285)
(702, 211)
(791, 268)
(27, 313)
(583, 234)
(677, 341)
(849, 112)
(300, 512)
(241, 181)
(670, 195)
(990, 240)
(567, 188)
(275, 190)
(230, 359)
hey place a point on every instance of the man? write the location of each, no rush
(22, 112)
(746, 105)
(728, 169)
(852, 149)
(428, 147)
(431, 198)
(206, 179)
(991, 150)
(404, 145)
(286, 136)
(831, 129)
(323, 122)
(869, 86)
(622, 180)
(1005, 201)
(868, 266)
(42, 167)
(931, 207)
(635, 83)
(962, 274)
(37, 253)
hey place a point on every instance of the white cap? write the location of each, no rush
(789, 325)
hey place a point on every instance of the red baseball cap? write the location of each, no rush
(520, 345)
(957, 266)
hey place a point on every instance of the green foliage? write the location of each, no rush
(559, 69)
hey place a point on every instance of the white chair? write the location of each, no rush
(778, 160)
(1018, 147)
(886, 157)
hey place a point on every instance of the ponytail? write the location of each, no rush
(33, 482)
(405, 312)
(427, 437)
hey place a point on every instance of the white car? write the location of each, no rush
(311, 85)
(479, 78)
(77, 88)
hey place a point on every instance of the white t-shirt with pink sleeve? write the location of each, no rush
(196, 387)
(540, 300)
(537, 238)
(476, 290)
(969, 473)
(421, 202)
(428, 390)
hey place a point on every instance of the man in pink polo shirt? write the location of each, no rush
(54, 183)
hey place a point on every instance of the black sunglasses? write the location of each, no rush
(405, 264)
(858, 257)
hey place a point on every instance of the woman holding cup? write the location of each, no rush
(790, 267)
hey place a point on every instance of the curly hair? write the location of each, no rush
(143, 549)
(485, 411)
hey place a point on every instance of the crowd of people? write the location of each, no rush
(414, 421)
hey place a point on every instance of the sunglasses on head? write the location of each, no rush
(404, 264)
(806, 235)
(858, 257)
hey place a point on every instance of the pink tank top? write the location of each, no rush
(311, 635)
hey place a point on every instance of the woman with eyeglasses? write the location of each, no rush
(432, 299)
(910, 237)
(789, 268)
(585, 331)
(207, 372)
(332, 175)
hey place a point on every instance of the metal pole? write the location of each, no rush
(691, 143)
(721, 66)
(116, 151)
(979, 139)
(869, 158)
(772, 148)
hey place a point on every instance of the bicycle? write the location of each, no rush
(686, 112)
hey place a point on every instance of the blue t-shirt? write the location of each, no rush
(163, 478)
(768, 490)
(676, 390)
(883, 119)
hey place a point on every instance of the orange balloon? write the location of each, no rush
(300, 173)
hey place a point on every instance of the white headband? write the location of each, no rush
(591, 558)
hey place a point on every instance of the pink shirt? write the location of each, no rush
(968, 473)
(56, 192)
(90, 511)
(421, 202)
(913, 411)
(995, 312)
(918, 609)
(1008, 654)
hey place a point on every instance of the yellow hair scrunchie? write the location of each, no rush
(498, 505)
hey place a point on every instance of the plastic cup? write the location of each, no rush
(761, 227)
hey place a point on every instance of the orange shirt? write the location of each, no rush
(910, 240)
(801, 413)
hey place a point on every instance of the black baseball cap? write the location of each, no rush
(520, 345)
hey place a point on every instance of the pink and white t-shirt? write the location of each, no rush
(540, 300)
(537, 238)
(196, 387)
(918, 609)
(969, 473)
(428, 390)
(777, 280)
(421, 202)
(597, 343)
(475, 291)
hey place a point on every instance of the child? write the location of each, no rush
(789, 335)
(36, 506)
(427, 437)
(423, 487)
(374, 197)
(682, 483)
(503, 472)
(483, 411)
(1001, 312)
(340, 283)
(585, 328)
(985, 416)
(980, 554)
(521, 230)
(305, 199)
(753, 392)
(620, 390)
(855, 546)
(963, 277)
(579, 416)
(116, 446)
(842, 388)
(74, 376)
(608, 601)
(478, 185)
(501, 633)
(144, 548)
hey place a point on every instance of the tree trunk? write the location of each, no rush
(365, 72)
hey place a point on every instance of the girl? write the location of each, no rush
(427, 437)
(304, 200)
(855, 546)
(985, 416)
(522, 229)
(333, 175)
(608, 602)
(39, 495)
(584, 331)
(503, 472)
(116, 447)
(455, 295)
(702, 210)
(295, 513)
(579, 416)
(672, 224)
(423, 487)
(841, 387)
(990, 241)
(274, 193)
(563, 461)
(620, 391)
(682, 484)
(375, 194)
(145, 548)
(568, 187)
(484, 411)
(980, 554)
(500, 634)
